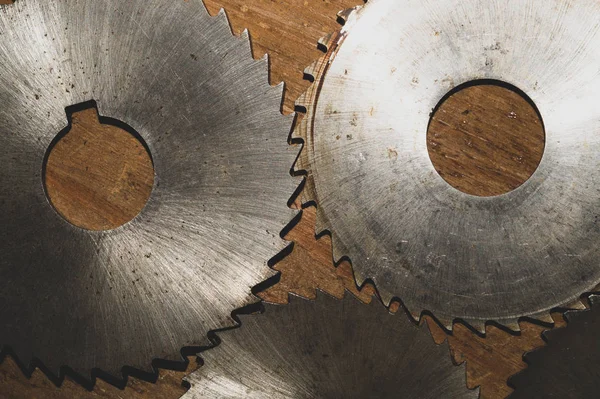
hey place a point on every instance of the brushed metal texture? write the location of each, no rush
(103, 300)
(569, 365)
(388, 210)
(328, 348)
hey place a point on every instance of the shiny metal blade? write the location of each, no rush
(212, 123)
(389, 211)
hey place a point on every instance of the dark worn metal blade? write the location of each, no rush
(328, 348)
(569, 365)
(219, 145)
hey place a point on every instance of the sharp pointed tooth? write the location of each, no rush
(300, 129)
(280, 89)
(303, 101)
(312, 69)
(445, 321)
(548, 336)
(320, 225)
(222, 18)
(265, 61)
(338, 253)
(568, 316)
(359, 280)
(573, 314)
(577, 305)
(544, 317)
(343, 15)
(478, 325)
(512, 324)
(594, 299)
(245, 40)
(300, 164)
(325, 41)
(308, 194)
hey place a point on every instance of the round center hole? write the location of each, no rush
(486, 138)
(98, 173)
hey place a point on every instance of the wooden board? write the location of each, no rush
(288, 31)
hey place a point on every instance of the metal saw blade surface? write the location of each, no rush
(569, 365)
(212, 123)
(378, 193)
(328, 348)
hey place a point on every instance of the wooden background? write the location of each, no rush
(485, 140)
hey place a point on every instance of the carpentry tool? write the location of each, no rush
(378, 193)
(328, 348)
(569, 365)
(213, 126)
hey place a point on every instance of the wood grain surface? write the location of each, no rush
(492, 151)
(486, 140)
(115, 181)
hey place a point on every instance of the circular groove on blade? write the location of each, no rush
(456, 255)
(102, 300)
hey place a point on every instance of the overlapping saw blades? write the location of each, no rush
(475, 259)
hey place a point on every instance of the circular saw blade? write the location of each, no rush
(328, 348)
(378, 193)
(212, 123)
(569, 365)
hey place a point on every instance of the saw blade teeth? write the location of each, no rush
(291, 332)
(565, 361)
(385, 297)
(269, 274)
(544, 318)
(280, 89)
(345, 14)
(301, 126)
(512, 324)
(203, 8)
(213, 25)
(223, 19)
(263, 66)
(531, 356)
(303, 101)
(311, 70)
(571, 315)
(325, 41)
(338, 253)
(360, 281)
(308, 196)
(245, 38)
(446, 322)
(576, 305)
(594, 299)
(321, 226)
(299, 168)
(477, 325)
(548, 336)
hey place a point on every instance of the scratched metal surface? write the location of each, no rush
(389, 211)
(328, 348)
(219, 145)
(569, 365)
